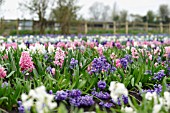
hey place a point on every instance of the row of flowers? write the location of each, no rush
(115, 72)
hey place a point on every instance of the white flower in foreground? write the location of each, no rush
(51, 48)
(156, 108)
(167, 99)
(32, 49)
(40, 48)
(2, 47)
(128, 110)
(22, 46)
(150, 96)
(159, 102)
(117, 90)
(40, 99)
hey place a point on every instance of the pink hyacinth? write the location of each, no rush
(26, 62)
(59, 57)
(167, 51)
(53, 71)
(100, 50)
(2, 72)
(118, 63)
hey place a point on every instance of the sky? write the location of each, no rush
(11, 8)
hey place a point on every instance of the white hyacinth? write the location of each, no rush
(40, 48)
(43, 103)
(159, 102)
(117, 90)
(51, 48)
(22, 46)
(2, 47)
(128, 110)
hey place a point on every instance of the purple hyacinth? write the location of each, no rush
(129, 58)
(21, 107)
(51, 92)
(101, 65)
(106, 105)
(124, 62)
(101, 95)
(73, 63)
(157, 89)
(159, 75)
(101, 85)
(74, 93)
(82, 101)
(61, 95)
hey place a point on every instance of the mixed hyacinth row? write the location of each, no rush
(116, 73)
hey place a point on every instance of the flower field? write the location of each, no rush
(85, 73)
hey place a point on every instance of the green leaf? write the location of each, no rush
(82, 83)
(132, 81)
(10, 74)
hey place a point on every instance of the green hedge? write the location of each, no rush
(29, 32)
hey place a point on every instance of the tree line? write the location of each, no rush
(65, 11)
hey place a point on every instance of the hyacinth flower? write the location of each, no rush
(100, 65)
(26, 62)
(124, 62)
(2, 72)
(59, 57)
(73, 63)
(159, 75)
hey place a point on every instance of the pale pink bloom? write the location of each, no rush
(46, 45)
(60, 44)
(150, 57)
(118, 63)
(2, 72)
(109, 44)
(156, 64)
(53, 71)
(113, 56)
(26, 62)
(128, 43)
(167, 42)
(59, 57)
(13, 45)
(167, 51)
(134, 53)
(100, 50)
(91, 44)
(77, 43)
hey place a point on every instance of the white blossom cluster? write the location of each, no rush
(117, 90)
(159, 102)
(39, 99)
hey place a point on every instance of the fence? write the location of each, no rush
(84, 26)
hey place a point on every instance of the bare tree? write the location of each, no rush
(96, 10)
(123, 15)
(64, 13)
(38, 7)
(164, 12)
(105, 13)
(115, 12)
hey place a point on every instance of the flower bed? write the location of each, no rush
(85, 73)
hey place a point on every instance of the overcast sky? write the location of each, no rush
(11, 11)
